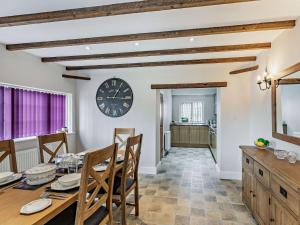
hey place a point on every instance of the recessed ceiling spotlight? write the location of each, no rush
(192, 39)
(87, 48)
(136, 44)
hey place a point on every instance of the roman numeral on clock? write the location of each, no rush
(107, 110)
(102, 106)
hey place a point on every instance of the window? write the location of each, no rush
(193, 111)
(25, 113)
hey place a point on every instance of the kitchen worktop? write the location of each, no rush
(189, 124)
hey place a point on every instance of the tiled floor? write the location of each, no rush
(188, 191)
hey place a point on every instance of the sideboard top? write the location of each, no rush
(290, 173)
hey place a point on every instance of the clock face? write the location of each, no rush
(114, 97)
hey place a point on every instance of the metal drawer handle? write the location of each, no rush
(261, 172)
(283, 192)
(247, 161)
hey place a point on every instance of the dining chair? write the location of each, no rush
(121, 135)
(94, 204)
(7, 148)
(127, 180)
(44, 140)
(88, 211)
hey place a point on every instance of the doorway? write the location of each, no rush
(190, 122)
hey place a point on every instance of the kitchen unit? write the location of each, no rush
(271, 187)
(190, 135)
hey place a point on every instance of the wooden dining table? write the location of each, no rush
(12, 200)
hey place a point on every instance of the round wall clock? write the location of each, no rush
(114, 97)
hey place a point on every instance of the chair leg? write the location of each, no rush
(123, 210)
(136, 199)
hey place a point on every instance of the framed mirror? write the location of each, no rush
(286, 105)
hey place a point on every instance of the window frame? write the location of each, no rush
(69, 105)
(191, 103)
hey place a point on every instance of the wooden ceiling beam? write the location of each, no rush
(210, 49)
(109, 10)
(164, 63)
(277, 25)
(244, 70)
(75, 77)
(189, 85)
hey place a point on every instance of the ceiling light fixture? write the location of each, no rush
(192, 39)
(136, 44)
(87, 48)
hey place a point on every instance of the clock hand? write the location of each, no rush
(123, 98)
(118, 90)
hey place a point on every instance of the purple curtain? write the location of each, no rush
(25, 113)
(5, 113)
(1, 113)
(57, 112)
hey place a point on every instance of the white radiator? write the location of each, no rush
(167, 137)
(27, 158)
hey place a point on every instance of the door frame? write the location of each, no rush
(162, 148)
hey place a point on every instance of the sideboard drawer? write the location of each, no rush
(262, 174)
(286, 194)
(247, 162)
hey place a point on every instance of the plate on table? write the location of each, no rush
(120, 158)
(69, 179)
(4, 176)
(56, 186)
(36, 206)
(100, 168)
(81, 154)
(14, 177)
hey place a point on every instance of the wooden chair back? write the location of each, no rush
(7, 149)
(121, 135)
(61, 138)
(131, 160)
(104, 182)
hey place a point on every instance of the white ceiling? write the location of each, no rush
(241, 13)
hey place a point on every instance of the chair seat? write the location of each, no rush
(67, 217)
(117, 184)
(97, 217)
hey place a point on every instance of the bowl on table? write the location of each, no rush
(69, 179)
(40, 174)
(262, 143)
(280, 154)
(4, 176)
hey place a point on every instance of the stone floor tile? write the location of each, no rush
(187, 191)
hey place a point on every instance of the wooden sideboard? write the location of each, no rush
(195, 136)
(271, 187)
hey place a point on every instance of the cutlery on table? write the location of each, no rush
(53, 196)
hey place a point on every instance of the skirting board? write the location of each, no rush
(148, 170)
(229, 175)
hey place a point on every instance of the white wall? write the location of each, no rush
(284, 53)
(167, 94)
(97, 129)
(23, 69)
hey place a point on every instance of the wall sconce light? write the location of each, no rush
(264, 83)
